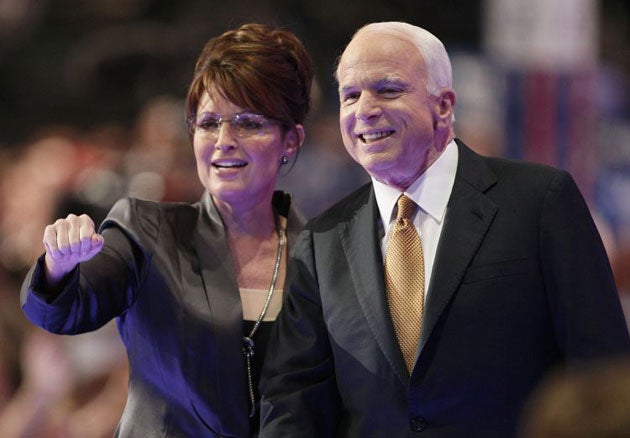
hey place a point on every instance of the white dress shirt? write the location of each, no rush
(431, 191)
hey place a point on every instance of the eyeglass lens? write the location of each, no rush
(242, 124)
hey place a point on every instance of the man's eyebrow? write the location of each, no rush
(388, 81)
(376, 84)
(346, 88)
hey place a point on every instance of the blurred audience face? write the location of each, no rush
(593, 401)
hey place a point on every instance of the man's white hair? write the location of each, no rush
(439, 71)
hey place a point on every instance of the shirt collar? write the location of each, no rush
(430, 191)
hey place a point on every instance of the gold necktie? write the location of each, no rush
(404, 280)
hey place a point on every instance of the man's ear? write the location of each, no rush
(293, 139)
(445, 108)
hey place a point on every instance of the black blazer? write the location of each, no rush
(521, 284)
(166, 273)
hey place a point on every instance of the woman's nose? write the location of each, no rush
(225, 137)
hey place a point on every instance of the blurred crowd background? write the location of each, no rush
(91, 109)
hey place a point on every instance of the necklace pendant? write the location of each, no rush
(248, 347)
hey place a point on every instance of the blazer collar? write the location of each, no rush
(217, 270)
(218, 300)
(360, 239)
(469, 216)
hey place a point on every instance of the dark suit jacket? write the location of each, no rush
(521, 284)
(166, 273)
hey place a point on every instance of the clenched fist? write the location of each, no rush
(68, 242)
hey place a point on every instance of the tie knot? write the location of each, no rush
(406, 207)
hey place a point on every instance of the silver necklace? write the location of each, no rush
(248, 341)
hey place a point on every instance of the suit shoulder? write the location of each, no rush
(344, 209)
(527, 178)
(530, 184)
(139, 217)
(526, 169)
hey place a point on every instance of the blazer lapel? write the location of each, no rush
(216, 300)
(220, 287)
(360, 240)
(468, 218)
(219, 299)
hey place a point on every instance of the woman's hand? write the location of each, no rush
(68, 242)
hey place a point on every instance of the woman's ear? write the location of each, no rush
(293, 139)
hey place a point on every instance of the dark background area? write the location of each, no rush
(93, 61)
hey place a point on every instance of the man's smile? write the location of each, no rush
(375, 136)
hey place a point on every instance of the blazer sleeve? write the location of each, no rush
(581, 290)
(101, 288)
(299, 396)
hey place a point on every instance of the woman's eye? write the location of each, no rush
(250, 125)
(208, 124)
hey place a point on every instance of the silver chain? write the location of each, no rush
(248, 341)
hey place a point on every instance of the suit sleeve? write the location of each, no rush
(100, 289)
(587, 314)
(298, 389)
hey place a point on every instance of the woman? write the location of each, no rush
(194, 288)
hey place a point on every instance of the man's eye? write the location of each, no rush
(350, 97)
(389, 92)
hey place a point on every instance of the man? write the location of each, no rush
(516, 280)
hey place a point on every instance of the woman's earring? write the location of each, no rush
(284, 160)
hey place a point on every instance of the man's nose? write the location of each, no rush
(368, 108)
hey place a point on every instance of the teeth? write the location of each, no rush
(229, 164)
(376, 135)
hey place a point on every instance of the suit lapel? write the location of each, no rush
(468, 218)
(219, 279)
(360, 240)
(219, 299)
(215, 299)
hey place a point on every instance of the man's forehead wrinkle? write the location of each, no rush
(369, 73)
(372, 81)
